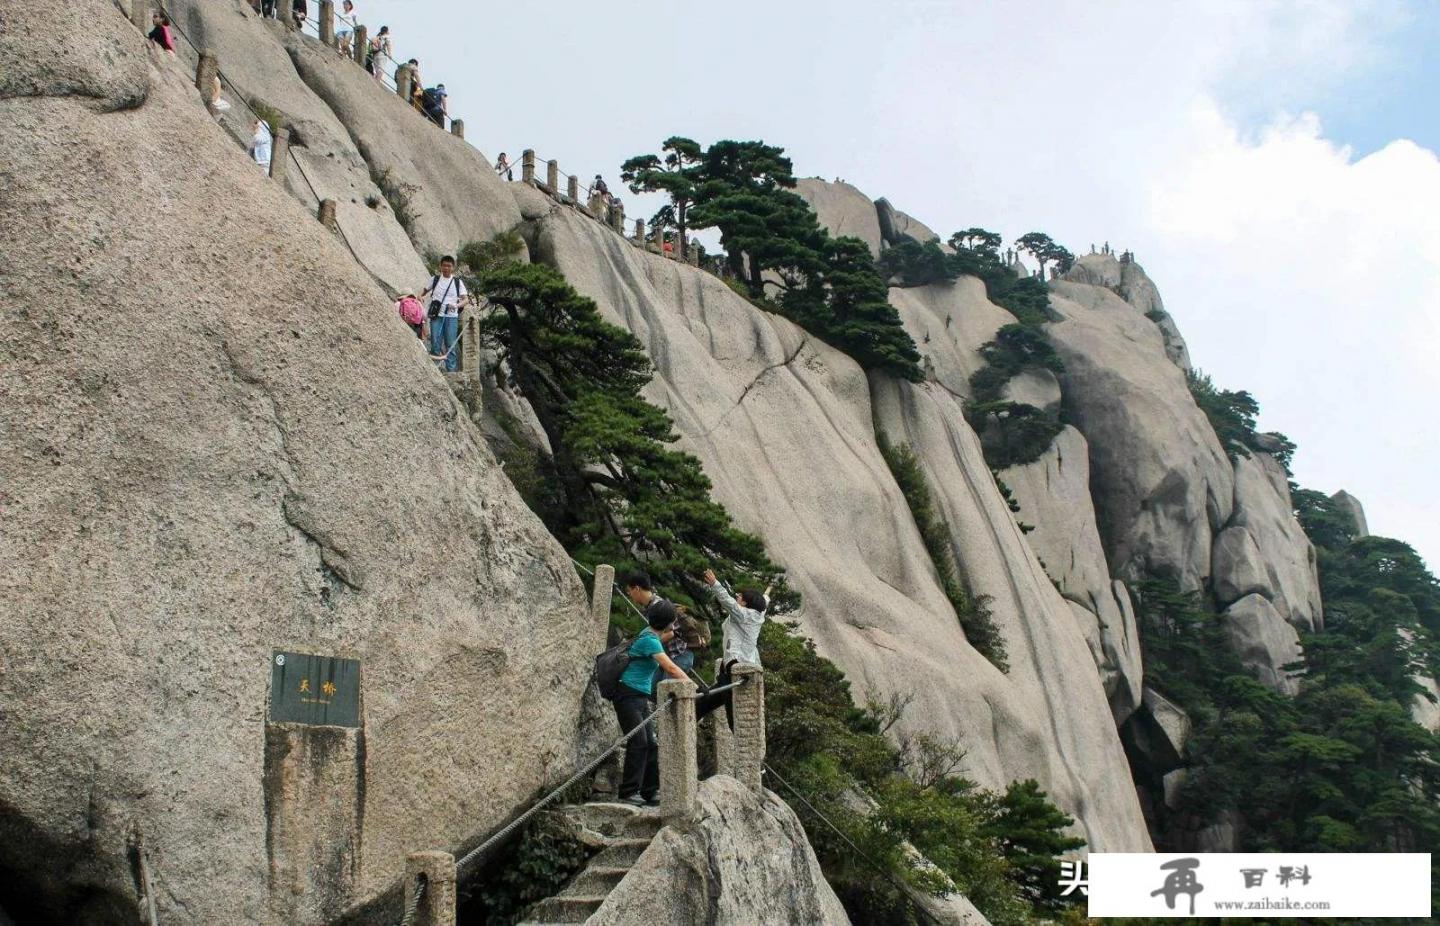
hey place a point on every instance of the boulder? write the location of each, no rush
(949, 322)
(1264, 641)
(1351, 507)
(761, 403)
(1037, 387)
(1264, 549)
(1054, 496)
(253, 57)
(744, 861)
(842, 210)
(443, 189)
(896, 227)
(1160, 481)
(1095, 270)
(229, 444)
(1170, 720)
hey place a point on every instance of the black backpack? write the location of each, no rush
(609, 666)
(432, 99)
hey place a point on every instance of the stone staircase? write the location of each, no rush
(621, 832)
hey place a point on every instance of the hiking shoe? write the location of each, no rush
(652, 802)
(634, 800)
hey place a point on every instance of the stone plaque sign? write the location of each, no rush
(318, 690)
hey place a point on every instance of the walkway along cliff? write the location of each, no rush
(221, 448)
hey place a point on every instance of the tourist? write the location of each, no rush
(261, 143)
(268, 9)
(600, 188)
(218, 103)
(379, 49)
(436, 103)
(299, 12)
(161, 34)
(346, 35)
(641, 592)
(412, 313)
(502, 166)
(444, 295)
(640, 780)
(741, 636)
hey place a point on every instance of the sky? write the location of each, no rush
(1272, 164)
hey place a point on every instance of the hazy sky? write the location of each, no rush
(1271, 164)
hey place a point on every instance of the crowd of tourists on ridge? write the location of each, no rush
(666, 648)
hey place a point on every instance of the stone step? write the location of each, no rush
(595, 881)
(621, 853)
(564, 909)
(598, 823)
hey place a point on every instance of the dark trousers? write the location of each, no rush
(642, 751)
(708, 702)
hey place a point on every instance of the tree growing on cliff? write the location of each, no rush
(674, 173)
(1044, 249)
(624, 494)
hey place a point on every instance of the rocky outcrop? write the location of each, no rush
(1264, 550)
(1264, 641)
(949, 322)
(1161, 484)
(1038, 388)
(843, 210)
(762, 404)
(1128, 281)
(218, 442)
(896, 226)
(1054, 496)
(443, 189)
(253, 56)
(1353, 510)
(743, 861)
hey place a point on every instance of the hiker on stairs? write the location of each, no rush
(640, 781)
(743, 620)
(641, 591)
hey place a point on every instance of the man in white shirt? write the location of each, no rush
(443, 296)
(260, 143)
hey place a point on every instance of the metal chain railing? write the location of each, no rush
(408, 917)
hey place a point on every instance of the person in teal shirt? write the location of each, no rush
(640, 782)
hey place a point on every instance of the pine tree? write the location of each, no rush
(674, 174)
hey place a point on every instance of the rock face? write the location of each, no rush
(1264, 640)
(743, 861)
(226, 445)
(949, 322)
(443, 189)
(1054, 496)
(1161, 484)
(896, 226)
(873, 603)
(843, 210)
(1039, 388)
(1354, 510)
(1128, 281)
(1264, 550)
(253, 56)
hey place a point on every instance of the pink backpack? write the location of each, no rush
(411, 310)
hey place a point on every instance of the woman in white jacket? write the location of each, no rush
(740, 640)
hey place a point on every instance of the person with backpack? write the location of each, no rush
(641, 592)
(444, 295)
(741, 637)
(413, 314)
(378, 49)
(436, 103)
(633, 695)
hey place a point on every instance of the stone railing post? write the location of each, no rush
(437, 907)
(679, 766)
(327, 214)
(596, 205)
(659, 234)
(457, 128)
(640, 232)
(470, 342)
(600, 594)
(403, 80)
(721, 736)
(327, 22)
(140, 14)
(748, 703)
(527, 166)
(206, 73)
(617, 217)
(552, 176)
(572, 189)
(280, 154)
(362, 42)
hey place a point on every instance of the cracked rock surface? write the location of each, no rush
(217, 440)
